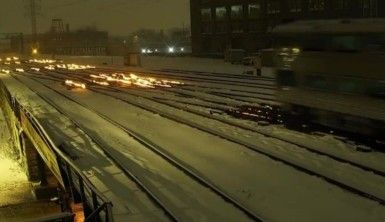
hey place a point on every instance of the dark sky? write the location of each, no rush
(119, 17)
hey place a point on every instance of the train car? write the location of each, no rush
(332, 72)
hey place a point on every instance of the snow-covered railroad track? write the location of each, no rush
(253, 147)
(236, 124)
(221, 81)
(257, 149)
(159, 151)
(111, 156)
(216, 74)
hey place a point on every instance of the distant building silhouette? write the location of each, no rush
(217, 25)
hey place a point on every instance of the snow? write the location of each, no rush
(130, 203)
(166, 62)
(333, 169)
(14, 185)
(269, 188)
(182, 194)
(327, 144)
(273, 190)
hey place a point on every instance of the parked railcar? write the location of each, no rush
(333, 72)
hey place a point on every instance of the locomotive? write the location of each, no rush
(332, 72)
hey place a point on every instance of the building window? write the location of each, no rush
(254, 10)
(370, 8)
(273, 7)
(220, 13)
(295, 5)
(236, 12)
(206, 14)
(316, 5)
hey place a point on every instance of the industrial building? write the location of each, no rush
(218, 25)
(60, 40)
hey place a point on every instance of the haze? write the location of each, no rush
(119, 17)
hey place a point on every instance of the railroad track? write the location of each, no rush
(154, 148)
(242, 126)
(260, 151)
(216, 74)
(252, 146)
(194, 79)
(189, 93)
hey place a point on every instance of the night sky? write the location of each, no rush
(119, 17)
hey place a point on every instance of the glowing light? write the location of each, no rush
(102, 83)
(74, 84)
(79, 67)
(19, 70)
(61, 66)
(171, 49)
(132, 79)
(49, 67)
(8, 59)
(34, 51)
(15, 58)
(35, 69)
(182, 49)
(42, 61)
(296, 50)
(144, 51)
(6, 71)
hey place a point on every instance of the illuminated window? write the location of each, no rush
(236, 12)
(316, 5)
(220, 13)
(254, 10)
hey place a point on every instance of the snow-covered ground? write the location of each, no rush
(14, 185)
(257, 181)
(165, 62)
(185, 129)
(187, 198)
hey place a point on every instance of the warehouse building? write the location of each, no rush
(219, 25)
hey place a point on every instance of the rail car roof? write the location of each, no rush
(333, 26)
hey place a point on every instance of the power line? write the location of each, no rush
(33, 9)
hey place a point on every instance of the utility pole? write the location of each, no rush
(33, 18)
(33, 7)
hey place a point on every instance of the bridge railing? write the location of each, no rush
(96, 206)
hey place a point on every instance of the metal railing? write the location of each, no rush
(96, 206)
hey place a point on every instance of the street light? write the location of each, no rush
(34, 51)
(171, 49)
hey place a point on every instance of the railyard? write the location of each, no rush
(177, 145)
